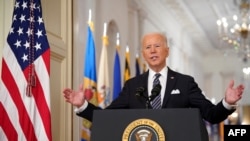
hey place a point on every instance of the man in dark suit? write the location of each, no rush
(177, 91)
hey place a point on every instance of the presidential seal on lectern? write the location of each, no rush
(143, 130)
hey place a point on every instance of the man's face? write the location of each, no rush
(155, 51)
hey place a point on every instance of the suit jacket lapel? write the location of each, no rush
(171, 80)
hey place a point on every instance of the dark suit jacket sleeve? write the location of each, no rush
(120, 102)
(210, 112)
(88, 112)
(125, 100)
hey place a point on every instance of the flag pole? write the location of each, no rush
(89, 16)
(105, 30)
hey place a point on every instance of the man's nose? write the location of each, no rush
(152, 49)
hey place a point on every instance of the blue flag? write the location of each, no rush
(117, 76)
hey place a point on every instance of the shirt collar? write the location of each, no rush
(163, 73)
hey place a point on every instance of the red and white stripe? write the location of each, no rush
(24, 118)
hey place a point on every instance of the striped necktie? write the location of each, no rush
(156, 103)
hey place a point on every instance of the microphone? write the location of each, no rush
(139, 92)
(155, 91)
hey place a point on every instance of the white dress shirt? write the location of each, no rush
(162, 78)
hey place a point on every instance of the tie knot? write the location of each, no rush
(156, 80)
(157, 75)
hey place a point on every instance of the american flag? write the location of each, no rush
(24, 85)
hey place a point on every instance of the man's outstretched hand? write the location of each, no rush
(232, 94)
(76, 98)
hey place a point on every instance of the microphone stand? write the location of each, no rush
(148, 100)
(155, 91)
(148, 103)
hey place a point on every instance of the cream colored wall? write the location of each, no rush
(6, 10)
(57, 15)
